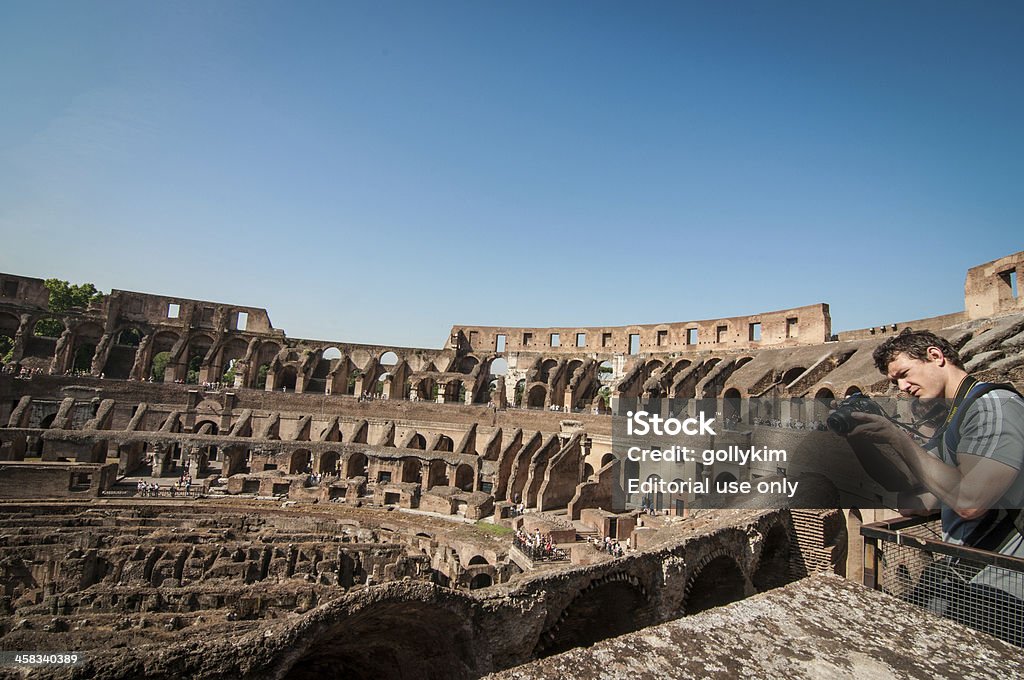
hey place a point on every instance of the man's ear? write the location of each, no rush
(935, 355)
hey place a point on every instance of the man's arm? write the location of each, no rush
(917, 502)
(970, 488)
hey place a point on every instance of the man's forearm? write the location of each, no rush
(968, 490)
(917, 502)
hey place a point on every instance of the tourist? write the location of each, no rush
(970, 469)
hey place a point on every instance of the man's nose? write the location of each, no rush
(903, 384)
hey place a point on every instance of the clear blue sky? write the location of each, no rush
(377, 171)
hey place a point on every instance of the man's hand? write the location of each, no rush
(970, 488)
(876, 429)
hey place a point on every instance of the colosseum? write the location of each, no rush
(187, 491)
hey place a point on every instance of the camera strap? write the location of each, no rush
(969, 391)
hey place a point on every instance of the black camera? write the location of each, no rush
(840, 421)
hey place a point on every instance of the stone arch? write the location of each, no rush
(653, 365)
(656, 499)
(160, 354)
(445, 443)
(299, 461)
(823, 399)
(607, 458)
(412, 468)
(677, 501)
(718, 580)
(586, 619)
(377, 388)
(234, 460)
(357, 465)
(287, 378)
(545, 369)
(477, 559)
(852, 390)
(400, 636)
(262, 360)
(725, 478)
(773, 567)
(121, 356)
(518, 393)
(425, 390)
(198, 347)
(418, 441)
(499, 366)
(588, 471)
(731, 404)
(331, 353)
(711, 388)
(328, 463)
(792, 374)
(437, 474)
(9, 324)
(481, 580)
(87, 337)
(210, 425)
(46, 326)
(164, 341)
(234, 349)
(388, 359)
(129, 336)
(537, 395)
(467, 364)
(464, 477)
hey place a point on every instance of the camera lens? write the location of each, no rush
(839, 422)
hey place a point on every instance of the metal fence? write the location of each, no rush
(907, 558)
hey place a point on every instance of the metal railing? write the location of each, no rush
(908, 559)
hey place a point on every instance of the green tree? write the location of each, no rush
(64, 296)
(160, 362)
(229, 375)
(6, 348)
(261, 376)
(194, 364)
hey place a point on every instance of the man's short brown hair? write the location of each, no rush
(915, 345)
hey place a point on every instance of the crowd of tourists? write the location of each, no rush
(21, 372)
(183, 487)
(791, 424)
(537, 547)
(315, 478)
(608, 545)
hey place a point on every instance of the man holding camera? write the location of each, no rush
(971, 468)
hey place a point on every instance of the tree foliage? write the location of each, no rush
(64, 296)
(194, 364)
(160, 361)
(6, 348)
(229, 374)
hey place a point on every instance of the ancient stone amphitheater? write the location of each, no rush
(186, 491)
